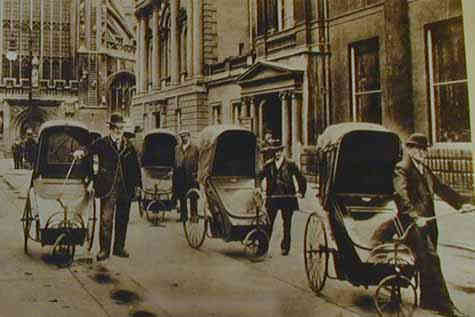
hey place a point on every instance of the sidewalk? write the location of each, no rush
(455, 231)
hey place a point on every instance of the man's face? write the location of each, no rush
(268, 137)
(278, 154)
(116, 130)
(417, 152)
(185, 138)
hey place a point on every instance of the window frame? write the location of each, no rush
(432, 85)
(352, 47)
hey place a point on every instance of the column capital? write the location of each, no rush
(286, 94)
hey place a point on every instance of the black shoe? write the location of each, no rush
(284, 252)
(122, 253)
(101, 256)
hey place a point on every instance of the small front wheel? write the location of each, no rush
(396, 296)
(256, 243)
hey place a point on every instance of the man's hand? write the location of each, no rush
(299, 195)
(79, 154)
(421, 221)
(467, 208)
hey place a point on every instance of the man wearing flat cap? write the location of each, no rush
(415, 186)
(115, 184)
(185, 172)
(279, 173)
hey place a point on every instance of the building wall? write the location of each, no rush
(421, 13)
(345, 30)
(232, 27)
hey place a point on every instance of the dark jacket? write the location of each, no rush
(115, 168)
(414, 193)
(186, 169)
(30, 150)
(281, 182)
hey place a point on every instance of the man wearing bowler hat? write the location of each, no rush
(186, 169)
(279, 173)
(115, 184)
(415, 186)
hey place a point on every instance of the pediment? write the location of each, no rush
(264, 71)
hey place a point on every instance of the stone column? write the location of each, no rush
(260, 115)
(296, 125)
(252, 107)
(189, 40)
(284, 97)
(155, 50)
(143, 55)
(197, 38)
(138, 52)
(174, 72)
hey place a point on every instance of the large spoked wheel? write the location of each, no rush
(196, 225)
(91, 226)
(26, 222)
(256, 243)
(316, 252)
(396, 296)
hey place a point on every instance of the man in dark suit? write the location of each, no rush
(115, 183)
(186, 169)
(415, 186)
(17, 153)
(281, 193)
(30, 149)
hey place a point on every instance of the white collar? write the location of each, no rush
(185, 146)
(279, 162)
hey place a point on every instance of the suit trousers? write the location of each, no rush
(286, 213)
(120, 207)
(423, 243)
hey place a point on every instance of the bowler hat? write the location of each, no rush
(417, 140)
(115, 119)
(276, 145)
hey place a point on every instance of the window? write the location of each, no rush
(158, 120)
(448, 91)
(216, 115)
(268, 15)
(365, 81)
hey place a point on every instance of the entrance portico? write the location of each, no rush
(272, 96)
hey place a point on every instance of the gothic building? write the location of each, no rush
(296, 66)
(63, 58)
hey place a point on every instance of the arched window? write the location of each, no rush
(25, 67)
(46, 69)
(56, 69)
(5, 66)
(67, 70)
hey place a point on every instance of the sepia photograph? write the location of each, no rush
(237, 158)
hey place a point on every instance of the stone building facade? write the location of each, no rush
(83, 61)
(258, 63)
(296, 66)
